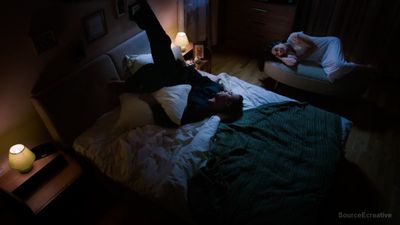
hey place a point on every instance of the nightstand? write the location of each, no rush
(49, 177)
(204, 64)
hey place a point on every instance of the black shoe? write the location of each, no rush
(134, 10)
(142, 14)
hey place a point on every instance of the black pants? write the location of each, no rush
(165, 71)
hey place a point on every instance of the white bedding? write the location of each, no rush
(156, 161)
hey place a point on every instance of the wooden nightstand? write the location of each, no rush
(204, 64)
(188, 53)
(49, 177)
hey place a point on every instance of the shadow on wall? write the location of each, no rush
(46, 25)
(73, 49)
(59, 29)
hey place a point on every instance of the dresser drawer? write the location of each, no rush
(263, 7)
(265, 12)
(242, 43)
(261, 37)
(280, 28)
(250, 24)
(271, 29)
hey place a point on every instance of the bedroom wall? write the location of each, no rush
(21, 65)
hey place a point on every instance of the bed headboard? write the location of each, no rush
(137, 44)
(73, 104)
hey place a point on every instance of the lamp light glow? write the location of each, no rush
(21, 158)
(181, 40)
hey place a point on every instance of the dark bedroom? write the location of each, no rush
(200, 112)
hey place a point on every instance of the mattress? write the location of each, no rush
(156, 161)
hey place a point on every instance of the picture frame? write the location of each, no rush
(120, 7)
(198, 51)
(95, 25)
(44, 41)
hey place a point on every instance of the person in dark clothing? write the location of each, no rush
(206, 97)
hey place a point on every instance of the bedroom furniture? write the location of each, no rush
(310, 77)
(14, 211)
(250, 24)
(81, 111)
(187, 51)
(204, 64)
(49, 177)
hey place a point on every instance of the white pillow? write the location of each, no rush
(135, 62)
(173, 100)
(134, 112)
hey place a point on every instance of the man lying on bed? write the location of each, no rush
(206, 97)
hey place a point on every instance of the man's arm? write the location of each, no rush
(289, 60)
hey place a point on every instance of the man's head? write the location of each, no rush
(227, 103)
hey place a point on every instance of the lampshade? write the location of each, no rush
(181, 40)
(21, 158)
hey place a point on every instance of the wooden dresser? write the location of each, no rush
(250, 24)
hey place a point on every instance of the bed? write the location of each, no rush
(176, 168)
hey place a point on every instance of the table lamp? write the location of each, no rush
(181, 40)
(21, 158)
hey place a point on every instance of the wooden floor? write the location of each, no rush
(240, 65)
(369, 179)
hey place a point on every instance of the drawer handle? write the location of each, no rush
(259, 10)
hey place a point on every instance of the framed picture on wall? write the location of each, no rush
(198, 51)
(120, 7)
(95, 25)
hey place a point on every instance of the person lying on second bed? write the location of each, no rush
(206, 97)
(327, 51)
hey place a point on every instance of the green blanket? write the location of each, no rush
(273, 166)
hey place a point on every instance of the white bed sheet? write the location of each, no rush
(156, 161)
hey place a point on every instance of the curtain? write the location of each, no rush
(369, 29)
(214, 22)
(196, 14)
